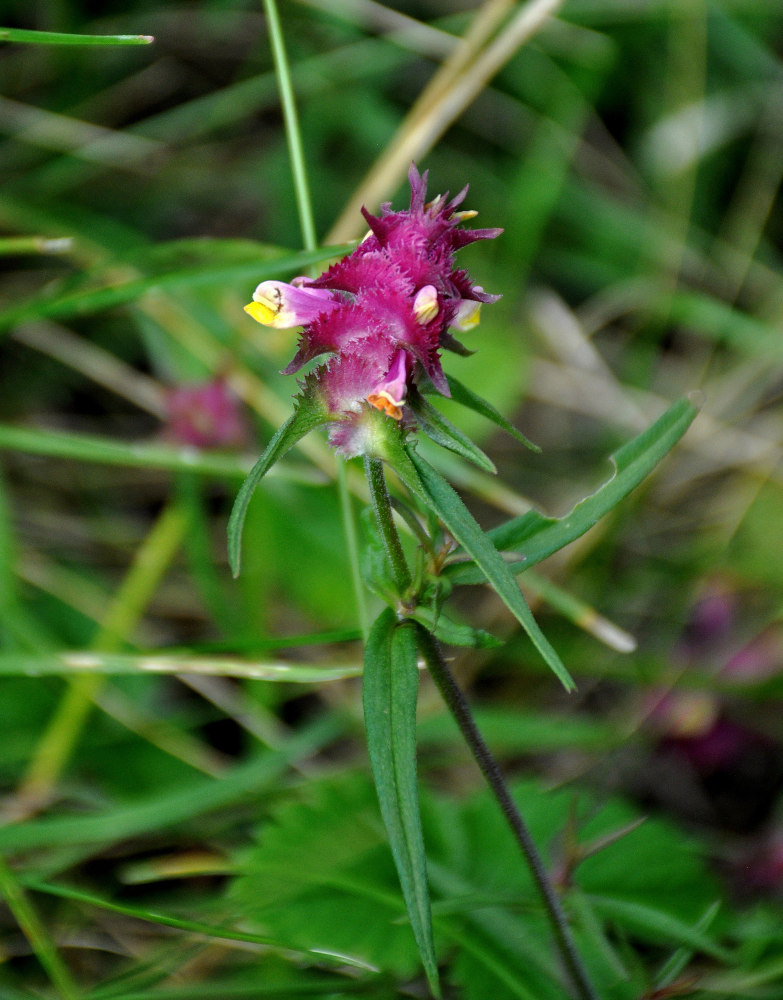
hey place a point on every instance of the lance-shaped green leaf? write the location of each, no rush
(448, 631)
(444, 433)
(433, 490)
(536, 536)
(467, 397)
(390, 688)
(310, 413)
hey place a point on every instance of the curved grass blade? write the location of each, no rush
(390, 687)
(536, 536)
(176, 923)
(444, 433)
(428, 484)
(308, 415)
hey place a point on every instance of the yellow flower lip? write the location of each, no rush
(468, 315)
(284, 306)
(261, 313)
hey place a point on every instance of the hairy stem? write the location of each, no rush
(458, 705)
(384, 518)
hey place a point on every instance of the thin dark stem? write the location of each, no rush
(457, 703)
(373, 469)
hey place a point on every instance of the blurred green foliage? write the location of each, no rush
(632, 153)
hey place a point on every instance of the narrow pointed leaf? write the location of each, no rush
(537, 536)
(444, 433)
(390, 688)
(466, 397)
(450, 632)
(424, 481)
(308, 415)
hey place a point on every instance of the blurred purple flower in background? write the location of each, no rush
(724, 763)
(205, 415)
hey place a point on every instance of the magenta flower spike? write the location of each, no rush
(383, 313)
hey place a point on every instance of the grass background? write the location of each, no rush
(159, 718)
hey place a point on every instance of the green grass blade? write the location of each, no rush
(29, 37)
(153, 812)
(390, 688)
(131, 454)
(657, 926)
(292, 131)
(76, 662)
(34, 929)
(537, 536)
(176, 923)
(35, 244)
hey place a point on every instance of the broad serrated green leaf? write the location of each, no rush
(537, 536)
(308, 415)
(433, 490)
(321, 874)
(444, 433)
(466, 397)
(390, 689)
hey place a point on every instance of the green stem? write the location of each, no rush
(293, 135)
(384, 518)
(307, 225)
(457, 703)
